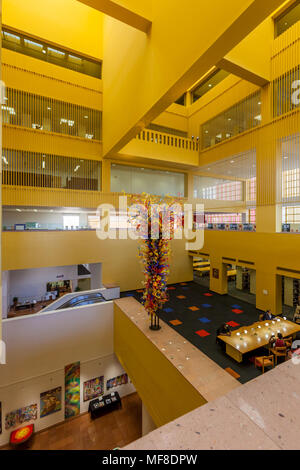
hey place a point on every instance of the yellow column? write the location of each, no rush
(189, 186)
(218, 276)
(268, 291)
(269, 170)
(106, 175)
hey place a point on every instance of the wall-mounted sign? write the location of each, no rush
(216, 273)
(59, 276)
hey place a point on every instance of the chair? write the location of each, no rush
(261, 317)
(279, 352)
(289, 341)
(264, 361)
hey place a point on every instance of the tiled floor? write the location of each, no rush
(196, 313)
(116, 429)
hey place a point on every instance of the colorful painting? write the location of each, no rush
(17, 417)
(117, 381)
(72, 390)
(50, 402)
(93, 388)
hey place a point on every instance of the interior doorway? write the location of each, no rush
(84, 284)
(290, 296)
(242, 285)
(201, 268)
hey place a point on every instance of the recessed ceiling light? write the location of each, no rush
(210, 85)
(18, 210)
(34, 210)
(49, 109)
(229, 119)
(86, 117)
(232, 161)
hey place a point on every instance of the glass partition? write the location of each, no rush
(21, 168)
(239, 118)
(46, 114)
(135, 180)
(287, 19)
(217, 189)
(286, 92)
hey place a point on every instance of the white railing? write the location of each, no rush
(171, 140)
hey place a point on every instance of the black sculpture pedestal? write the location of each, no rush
(155, 326)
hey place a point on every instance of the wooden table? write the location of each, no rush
(201, 264)
(257, 336)
(202, 270)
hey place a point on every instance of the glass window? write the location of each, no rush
(134, 180)
(217, 189)
(288, 18)
(286, 92)
(181, 100)
(21, 168)
(290, 148)
(239, 118)
(71, 221)
(223, 218)
(41, 50)
(208, 84)
(251, 190)
(46, 114)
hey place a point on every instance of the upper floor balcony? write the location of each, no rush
(160, 147)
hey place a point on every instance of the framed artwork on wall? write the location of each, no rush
(20, 416)
(117, 381)
(93, 388)
(72, 390)
(50, 402)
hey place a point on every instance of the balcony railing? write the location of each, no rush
(169, 140)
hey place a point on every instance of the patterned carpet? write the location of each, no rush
(196, 313)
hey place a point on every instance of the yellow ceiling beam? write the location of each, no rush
(243, 73)
(121, 13)
(251, 58)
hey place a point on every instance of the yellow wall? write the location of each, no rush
(267, 251)
(42, 78)
(162, 388)
(65, 22)
(120, 260)
(160, 154)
